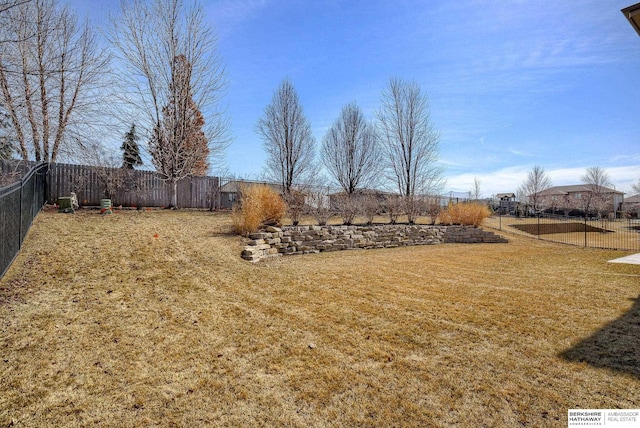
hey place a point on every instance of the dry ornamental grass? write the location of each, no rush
(152, 319)
(259, 205)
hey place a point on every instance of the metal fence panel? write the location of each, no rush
(616, 234)
(20, 202)
(9, 227)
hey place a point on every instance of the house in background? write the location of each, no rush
(230, 191)
(506, 203)
(632, 13)
(229, 194)
(583, 197)
(631, 206)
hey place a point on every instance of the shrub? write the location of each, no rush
(394, 207)
(466, 214)
(346, 207)
(319, 206)
(433, 207)
(259, 205)
(369, 206)
(295, 204)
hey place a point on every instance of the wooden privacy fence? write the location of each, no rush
(129, 188)
(126, 187)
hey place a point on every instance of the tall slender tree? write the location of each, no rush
(350, 150)
(178, 146)
(287, 139)
(148, 37)
(130, 149)
(410, 141)
(475, 192)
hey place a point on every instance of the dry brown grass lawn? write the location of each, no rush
(152, 319)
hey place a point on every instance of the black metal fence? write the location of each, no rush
(19, 204)
(617, 234)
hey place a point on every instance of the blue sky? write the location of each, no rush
(511, 84)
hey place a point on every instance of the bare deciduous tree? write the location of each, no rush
(296, 206)
(9, 4)
(410, 141)
(5, 6)
(11, 170)
(394, 207)
(369, 205)
(596, 198)
(474, 193)
(6, 139)
(434, 207)
(636, 187)
(561, 203)
(318, 205)
(350, 150)
(346, 206)
(50, 69)
(531, 190)
(148, 37)
(107, 167)
(287, 139)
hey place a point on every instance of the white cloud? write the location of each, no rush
(500, 181)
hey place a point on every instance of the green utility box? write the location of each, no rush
(64, 205)
(105, 206)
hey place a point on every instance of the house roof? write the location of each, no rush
(505, 195)
(632, 199)
(576, 188)
(632, 13)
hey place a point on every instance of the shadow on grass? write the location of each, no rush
(616, 346)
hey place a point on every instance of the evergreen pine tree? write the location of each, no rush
(130, 149)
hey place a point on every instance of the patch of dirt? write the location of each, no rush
(553, 228)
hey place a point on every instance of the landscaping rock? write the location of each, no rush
(274, 241)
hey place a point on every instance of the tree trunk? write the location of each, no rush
(174, 194)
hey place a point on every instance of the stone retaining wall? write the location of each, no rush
(275, 242)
